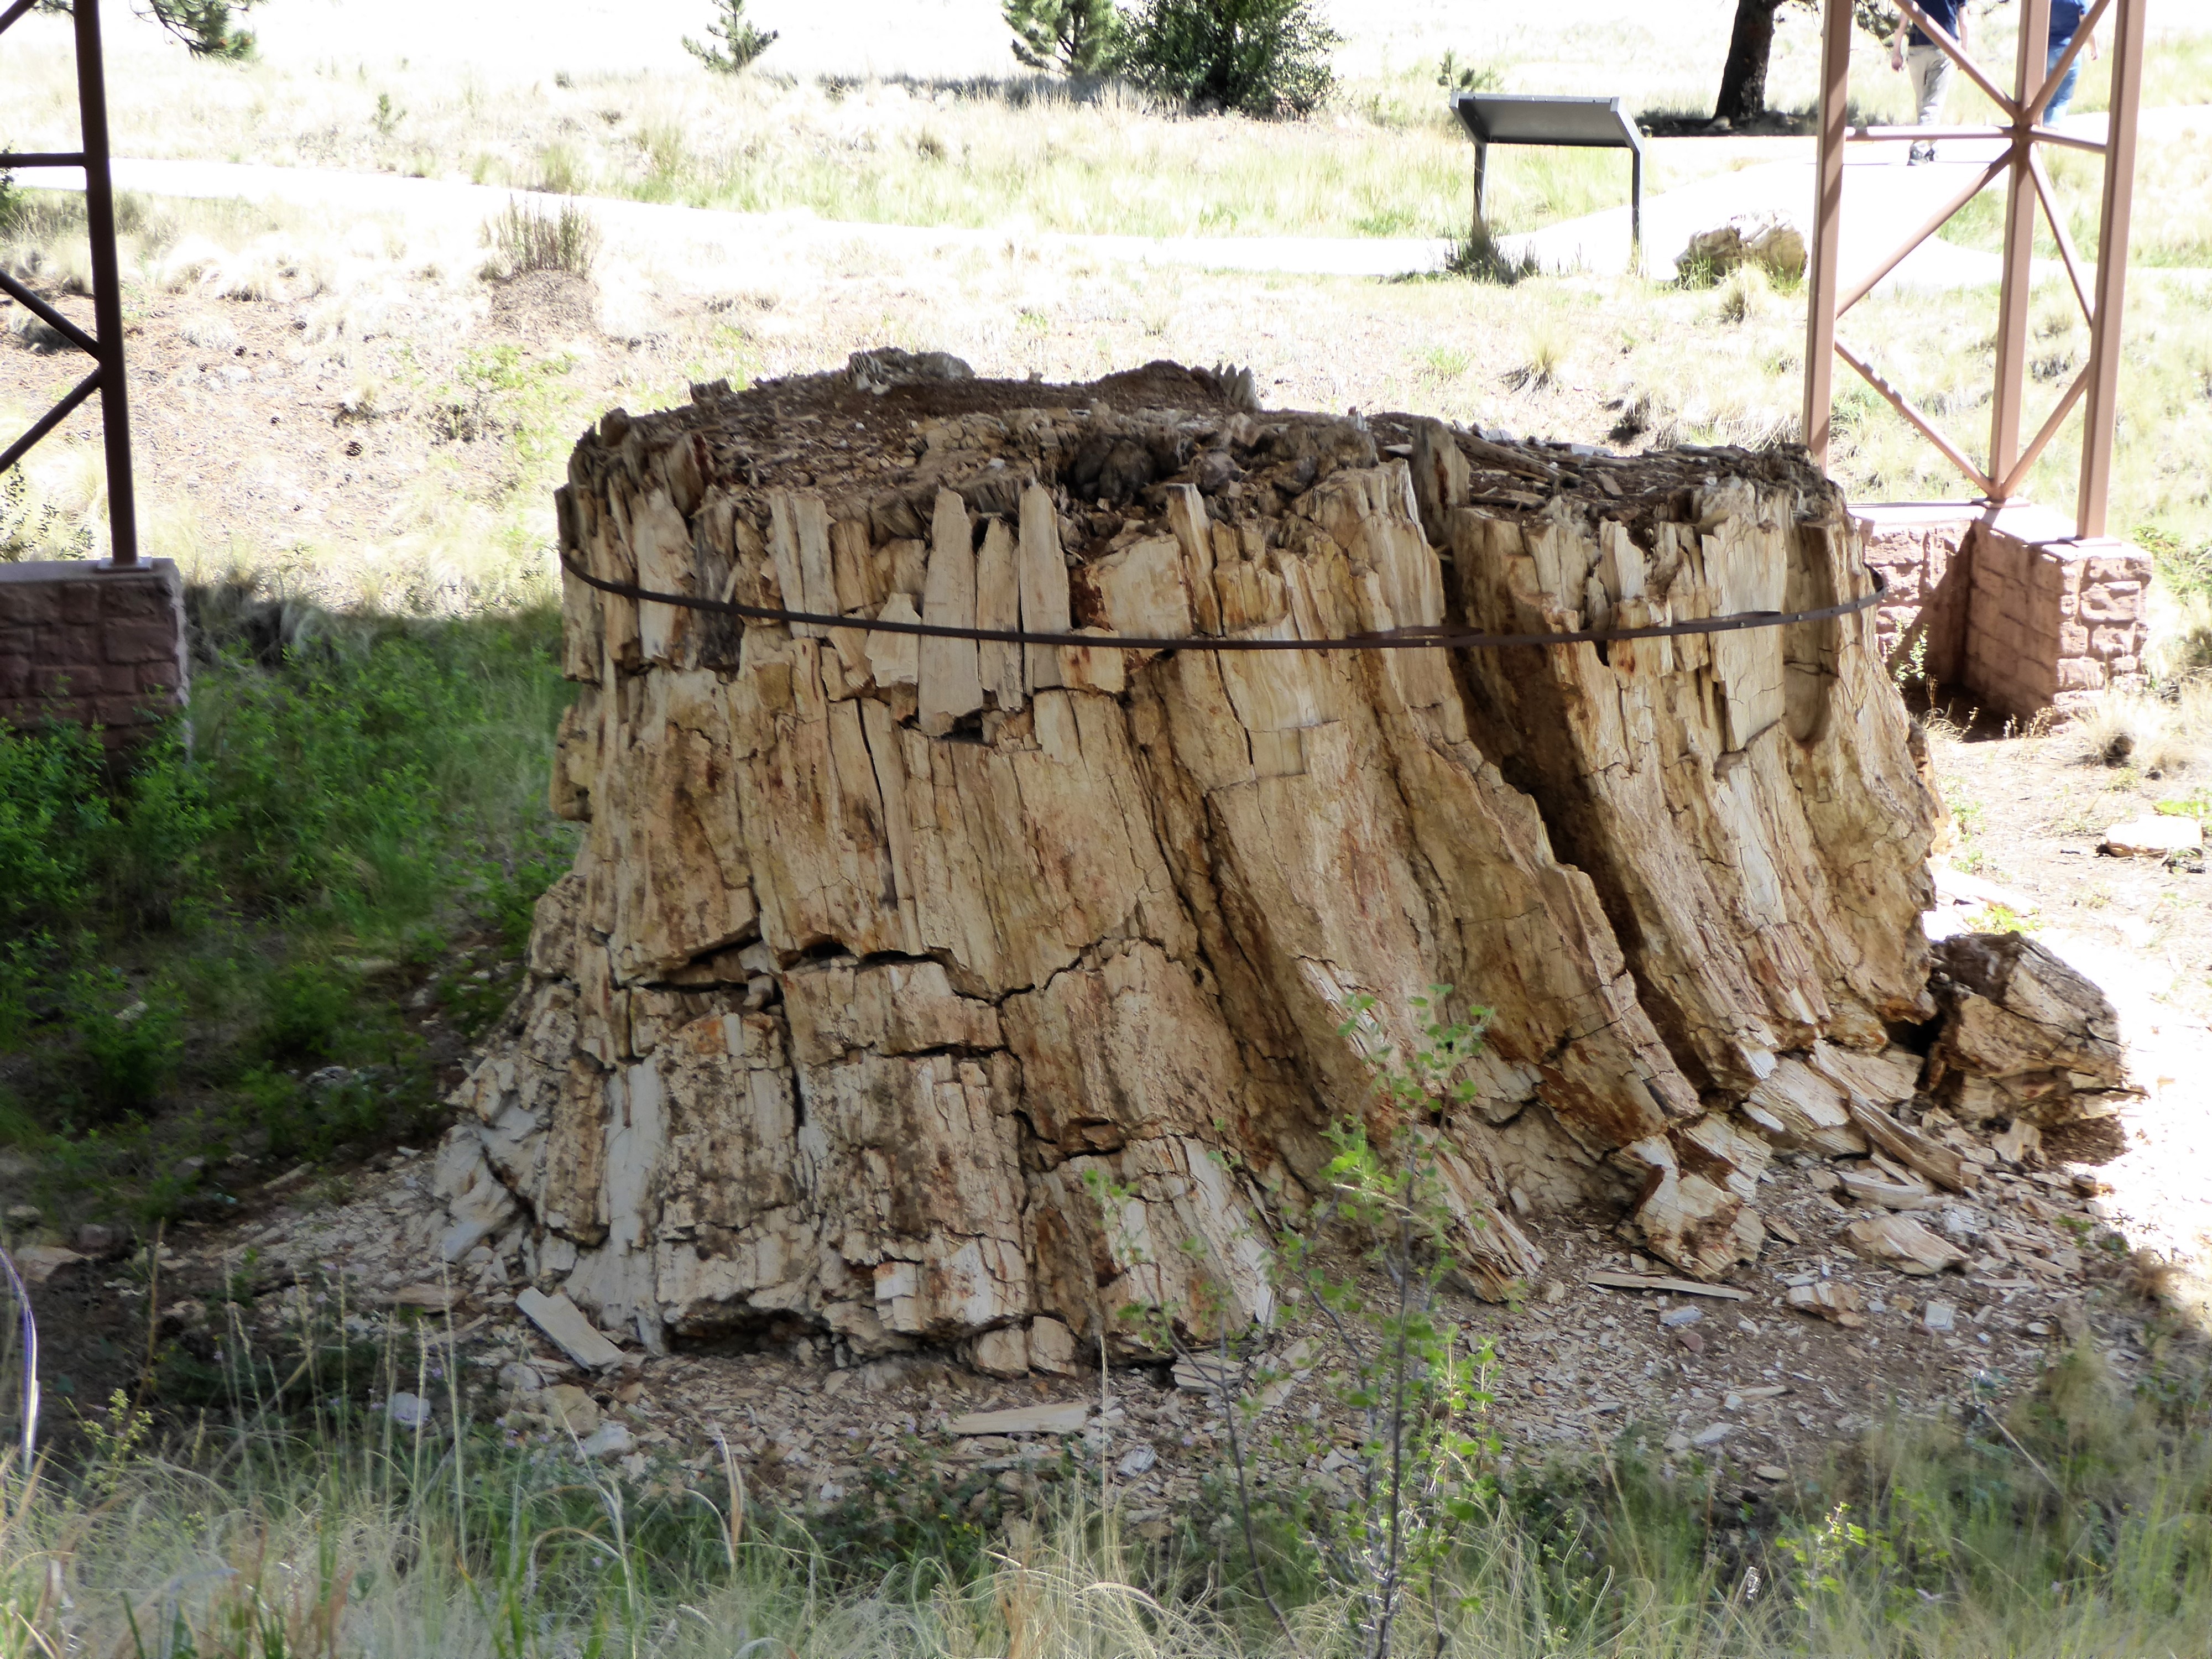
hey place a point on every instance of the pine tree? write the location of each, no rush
(209, 28)
(1068, 37)
(732, 42)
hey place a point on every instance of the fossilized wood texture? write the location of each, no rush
(2025, 1037)
(880, 965)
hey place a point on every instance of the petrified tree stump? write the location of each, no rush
(877, 946)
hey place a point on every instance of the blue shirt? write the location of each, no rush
(1946, 12)
(2065, 19)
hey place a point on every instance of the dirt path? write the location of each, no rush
(1883, 201)
(2029, 815)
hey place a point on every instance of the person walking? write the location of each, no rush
(2065, 24)
(1930, 64)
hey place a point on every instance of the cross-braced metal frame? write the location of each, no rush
(105, 344)
(2100, 291)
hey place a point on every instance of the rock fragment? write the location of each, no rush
(564, 1322)
(1899, 1242)
(1066, 1418)
(1839, 1304)
(2154, 837)
(2025, 1036)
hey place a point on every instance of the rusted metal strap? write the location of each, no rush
(1423, 638)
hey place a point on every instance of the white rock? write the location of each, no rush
(1052, 1347)
(1200, 1374)
(609, 1440)
(1940, 1317)
(564, 1321)
(39, 1261)
(1135, 1461)
(1712, 1434)
(2154, 837)
(1766, 240)
(409, 1411)
(1004, 1352)
(1675, 1318)
(474, 1197)
(1065, 1418)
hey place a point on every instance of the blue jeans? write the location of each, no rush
(2064, 95)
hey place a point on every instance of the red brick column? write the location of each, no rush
(1921, 550)
(2053, 620)
(91, 646)
(2010, 604)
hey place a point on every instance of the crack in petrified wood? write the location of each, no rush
(880, 964)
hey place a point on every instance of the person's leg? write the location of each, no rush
(1931, 81)
(2064, 95)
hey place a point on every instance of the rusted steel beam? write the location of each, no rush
(2009, 485)
(2018, 289)
(1936, 221)
(107, 287)
(2093, 499)
(1905, 406)
(1959, 55)
(1827, 226)
(2075, 48)
(2063, 237)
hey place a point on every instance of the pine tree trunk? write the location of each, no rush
(1743, 78)
(881, 965)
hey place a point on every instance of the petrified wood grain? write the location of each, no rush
(883, 960)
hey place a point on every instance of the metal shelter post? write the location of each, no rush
(2019, 251)
(2028, 189)
(2112, 280)
(105, 344)
(1828, 227)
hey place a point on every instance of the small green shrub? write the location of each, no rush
(1264, 58)
(54, 813)
(733, 45)
(129, 1044)
(526, 238)
(356, 792)
(1455, 76)
(308, 1006)
(1479, 258)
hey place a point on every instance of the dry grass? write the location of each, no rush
(1011, 152)
(1596, 360)
(2158, 736)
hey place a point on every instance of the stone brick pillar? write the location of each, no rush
(2053, 620)
(2008, 603)
(99, 648)
(1921, 550)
